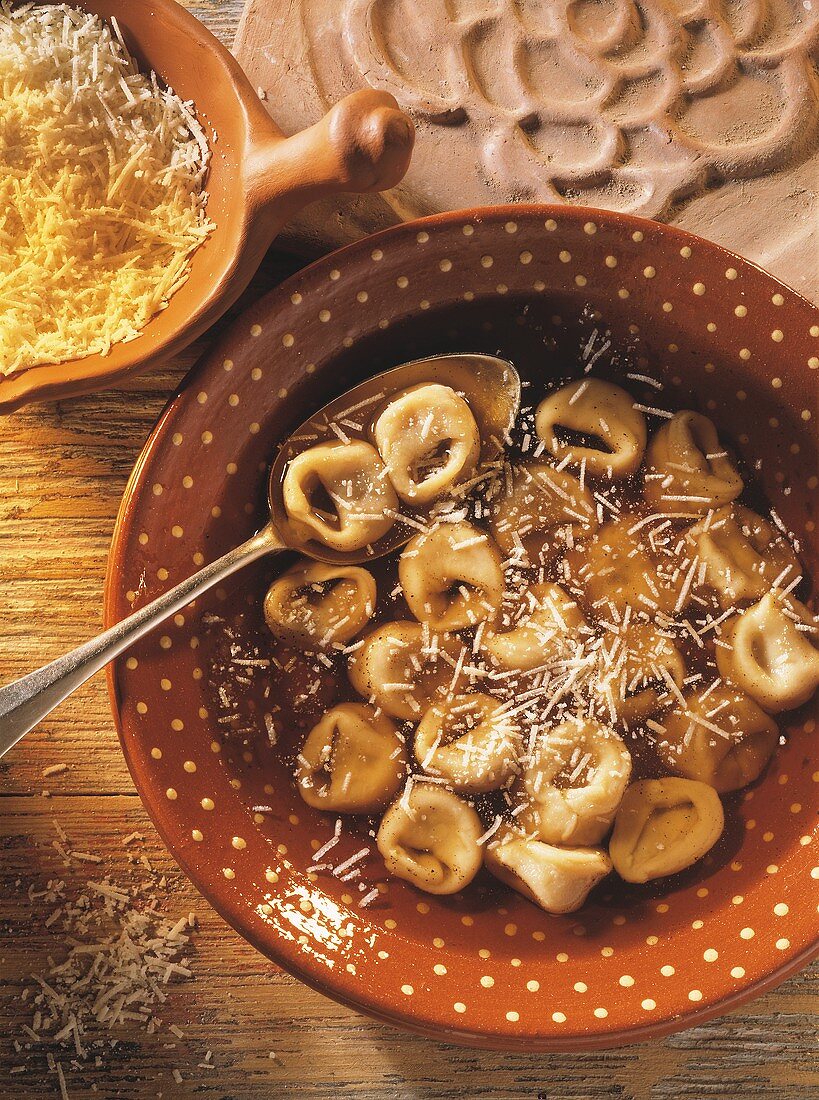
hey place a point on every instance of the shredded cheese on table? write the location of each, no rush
(102, 199)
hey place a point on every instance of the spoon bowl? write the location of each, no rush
(491, 388)
(257, 180)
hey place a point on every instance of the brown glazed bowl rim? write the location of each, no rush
(377, 1000)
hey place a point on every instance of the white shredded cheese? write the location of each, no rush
(102, 199)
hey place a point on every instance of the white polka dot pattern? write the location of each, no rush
(499, 964)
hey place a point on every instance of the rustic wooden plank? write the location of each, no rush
(63, 467)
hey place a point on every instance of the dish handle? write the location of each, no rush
(362, 144)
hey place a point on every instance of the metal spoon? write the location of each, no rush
(490, 386)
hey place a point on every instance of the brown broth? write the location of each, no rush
(294, 689)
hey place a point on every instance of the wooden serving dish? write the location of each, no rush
(257, 180)
(483, 967)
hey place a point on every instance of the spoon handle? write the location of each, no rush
(25, 702)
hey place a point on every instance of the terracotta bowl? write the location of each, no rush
(256, 181)
(483, 967)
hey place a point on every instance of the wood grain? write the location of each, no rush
(63, 468)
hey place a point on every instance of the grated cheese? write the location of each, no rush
(102, 199)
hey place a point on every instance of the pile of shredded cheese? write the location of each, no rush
(102, 199)
(116, 960)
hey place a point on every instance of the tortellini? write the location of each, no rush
(429, 837)
(664, 826)
(470, 742)
(640, 671)
(596, 411)
(452, 576)
(556, 879)
(352, 762)
(616, 568)
(744, 555)
(429, 441)
(403, 667)
(339, 494)
(552, 626)
(540, 510)
(573, 783)
(591, 590)
(688, 469)
(771, 652)
(720, 737)
(317, 604)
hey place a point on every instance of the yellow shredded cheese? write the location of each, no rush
(102, 199)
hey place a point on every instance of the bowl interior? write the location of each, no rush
(166, 39)
(198, 704)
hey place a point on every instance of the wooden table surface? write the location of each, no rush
(63, 468)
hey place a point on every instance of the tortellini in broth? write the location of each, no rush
(664, 826)
(452, 576)
(316, 605)
(429, 441)
(643, 672)
(352, 762)
(550, 626)
(617, 568)
(404, 667)
(771, 652)
(573, 783)
(596, 411)
(688, 468)
(429, 837)
(599, 592)
(339, 495)
(470, 741)
(720, 737)
(744, 554)
(557, 879)
(540, 510)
